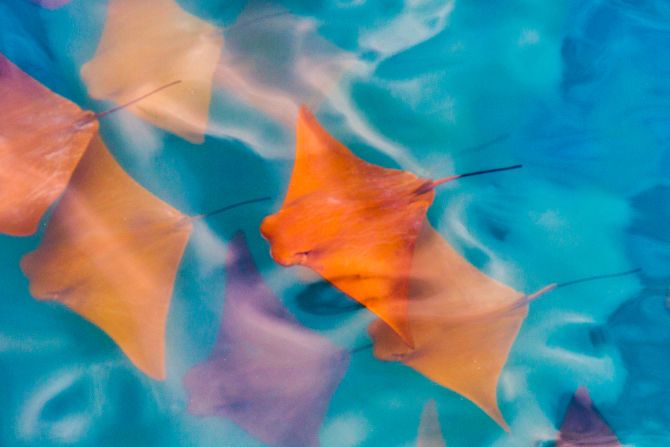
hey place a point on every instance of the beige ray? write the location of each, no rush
(146, 44)
(463, 323)
(111, 252)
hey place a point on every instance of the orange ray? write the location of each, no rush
(351, 221)
(42, 138)
(148, 44)
(111, 252)
(464, 323)
(430, 432)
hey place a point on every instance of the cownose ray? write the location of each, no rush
(42, 139)
(364, 229)
(464, 322)
(352, 222)
(266, 372)
(467, 353)
(294, 65)
(583, 426)
(430, 431)
(110, 252)
(145, 44)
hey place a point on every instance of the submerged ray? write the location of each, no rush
(110, 252)
(146, 44)
(353, 222)
(464, 323)
(267, 373)
(274, 61)
(583, 426)
(42, 138)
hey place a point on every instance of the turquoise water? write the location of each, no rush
(575, 90)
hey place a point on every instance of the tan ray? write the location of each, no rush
(463, 323)
(147, 44)
(111, 252)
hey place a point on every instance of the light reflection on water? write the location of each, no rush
(576, 91)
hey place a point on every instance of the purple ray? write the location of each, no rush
(267, 373)
(584, 426)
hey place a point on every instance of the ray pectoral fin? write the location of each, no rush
(43, 138)
(145, 45)
(463, 322)
(469, 357)
(466, 358)
(112, 249)
(376, 280)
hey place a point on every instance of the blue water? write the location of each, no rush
(577, 91)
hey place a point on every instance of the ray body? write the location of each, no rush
(266, 373)
(42, 138)
(274, 61)
(353, 222)
(583, 426)
(463, 322)
(111, 252)
(147, 44)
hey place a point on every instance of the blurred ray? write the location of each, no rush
(111, 252)
(266, 373)
(148, 44)
(584, 426)
(42, 138)
(463, 322)
(273, 61)
(353, 222)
